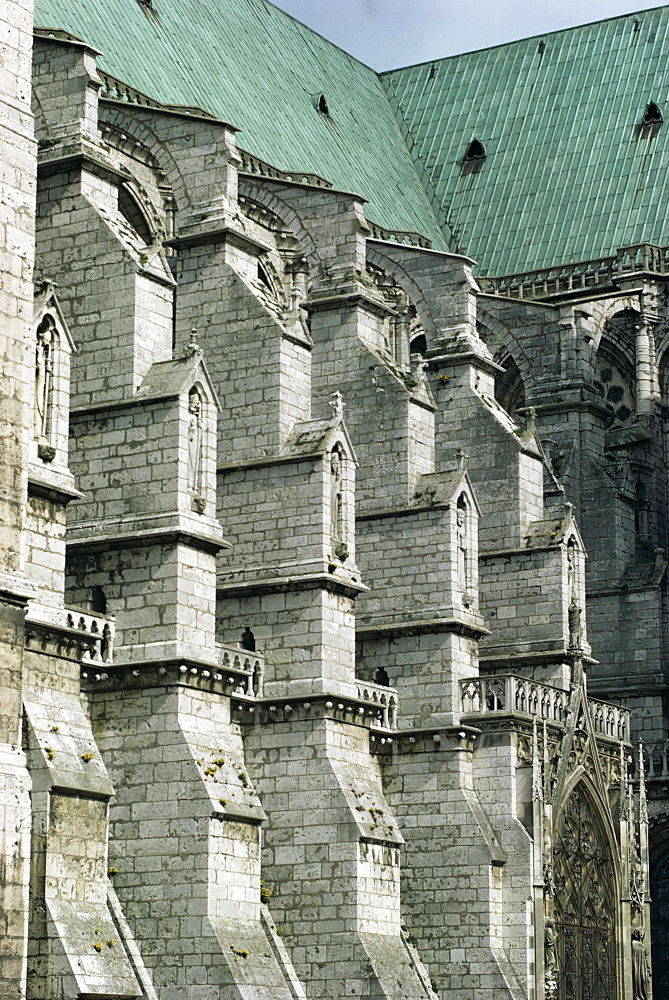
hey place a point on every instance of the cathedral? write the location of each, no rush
(333, 511)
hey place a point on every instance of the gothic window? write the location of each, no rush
(132, 213)
(509, 386)
(419, 345)
(248, 640)
(585, 903)
(659, 908)
(98, 601)
(615, 385)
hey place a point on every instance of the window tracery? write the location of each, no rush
(615, 386)
(585, 903)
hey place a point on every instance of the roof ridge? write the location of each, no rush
(518, 41)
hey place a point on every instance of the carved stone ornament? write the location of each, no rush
(550, 959)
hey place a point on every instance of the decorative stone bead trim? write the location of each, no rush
(234, 678)
(374, 709)
(432, 740)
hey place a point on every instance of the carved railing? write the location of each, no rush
(101, 628)
(383, 699)
(656, 759)
(243, 661)
(259, 168)
(406, 236)
(641, 258)
(610, 720)
(509, 694)
(114, 89)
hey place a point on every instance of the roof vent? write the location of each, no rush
(149, 10)
(475, 151)
(473, 158)
(651, 122)
(652, 115)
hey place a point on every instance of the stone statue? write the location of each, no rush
(337, 403)
(194, 440)
(575, 627)
(463, 545)
(335, 495)
(640, 968)
(571, 573)
(550, 949)
(43, 376)
(550, 959)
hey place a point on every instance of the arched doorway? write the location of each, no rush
(585, 903)
(659, 922)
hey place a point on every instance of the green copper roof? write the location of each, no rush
(566, 176)
(254, 66)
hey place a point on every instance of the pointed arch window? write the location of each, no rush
(585, 903)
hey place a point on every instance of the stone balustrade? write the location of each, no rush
(656, 758)
(510, 694)
(259, 168)
(610, 720)
(99, 627)
(405, 236)
(642, 258)
(250, 664)
(384, 699)
(116, 90)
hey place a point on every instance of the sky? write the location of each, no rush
(386, 34)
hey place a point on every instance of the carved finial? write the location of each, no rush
(192, 346)
(537, 784)
(462, 457)
(337, 403)
(643, 805)
(568, 516)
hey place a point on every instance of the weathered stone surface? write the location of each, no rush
(310, 608)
